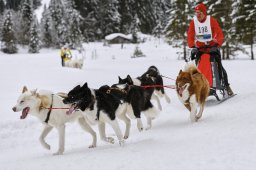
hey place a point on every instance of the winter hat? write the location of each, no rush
(201, 7)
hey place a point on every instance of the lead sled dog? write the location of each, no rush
(41, 104)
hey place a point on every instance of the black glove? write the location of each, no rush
(215, 50)
(194, 51)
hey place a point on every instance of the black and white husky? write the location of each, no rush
(99, 107)
(150, 78)
(137, 99)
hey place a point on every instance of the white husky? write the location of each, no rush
(74, 63)
(49, 108)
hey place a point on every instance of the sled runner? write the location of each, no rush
(208, 66)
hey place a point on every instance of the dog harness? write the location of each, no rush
(49, 112)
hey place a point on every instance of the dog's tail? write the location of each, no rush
(191, 68)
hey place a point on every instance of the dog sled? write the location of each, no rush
(208, 66)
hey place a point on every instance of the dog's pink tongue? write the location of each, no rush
(70, 110)
(24, 113)
(180, 91)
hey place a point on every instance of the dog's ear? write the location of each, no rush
(129, 79)
(24, 89)
(85, 85)
(119, 79)
(180, 72)
(34, 92)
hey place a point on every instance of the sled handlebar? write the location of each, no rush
(207, 46)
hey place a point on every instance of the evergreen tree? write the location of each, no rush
(157, 31)
(221, 11)
(88, 12)
(25, 22)
(13, 4)
(108, 17)
(160, 8)
(176, 30)
(244, 18)
(8, 36)
(145, 13)
(34, 44)
(36, 4)
(126, 12)
(135, 29)
(2, 7)
(60, 23)
(46, 29)
(76, 36)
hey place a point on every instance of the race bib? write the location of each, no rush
(203, 30)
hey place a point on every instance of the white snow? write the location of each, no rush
(40, 9)
(225, 137)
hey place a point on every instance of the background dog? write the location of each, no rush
(40, 104)
(150, 78)
(138, 100)
(74, 63)
(192, 89)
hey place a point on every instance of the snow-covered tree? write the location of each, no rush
(109, 17)
(8, 36)
(126, 15)
(145, 13)
(34, 43)
(88, 11)
(46, 29)
(25, 22)
(56, 8)
(179, 19)
(13, 4)
(158, 30)
(76, 37)
(221, 11)
(244, 18)
(2, 7)
(160, 8)
(135, 29)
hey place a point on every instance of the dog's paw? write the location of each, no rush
(58, 153)
(121, 142)
(148, 127)
(197, 118)
(126, 137)
(140, 128)
(92, 146)
(110, 140)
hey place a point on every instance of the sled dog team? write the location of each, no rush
(126, 100)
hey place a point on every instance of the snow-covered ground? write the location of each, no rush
(225, 137)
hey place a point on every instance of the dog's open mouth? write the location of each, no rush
(181, 89)
(24, 113)
(71, 109)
